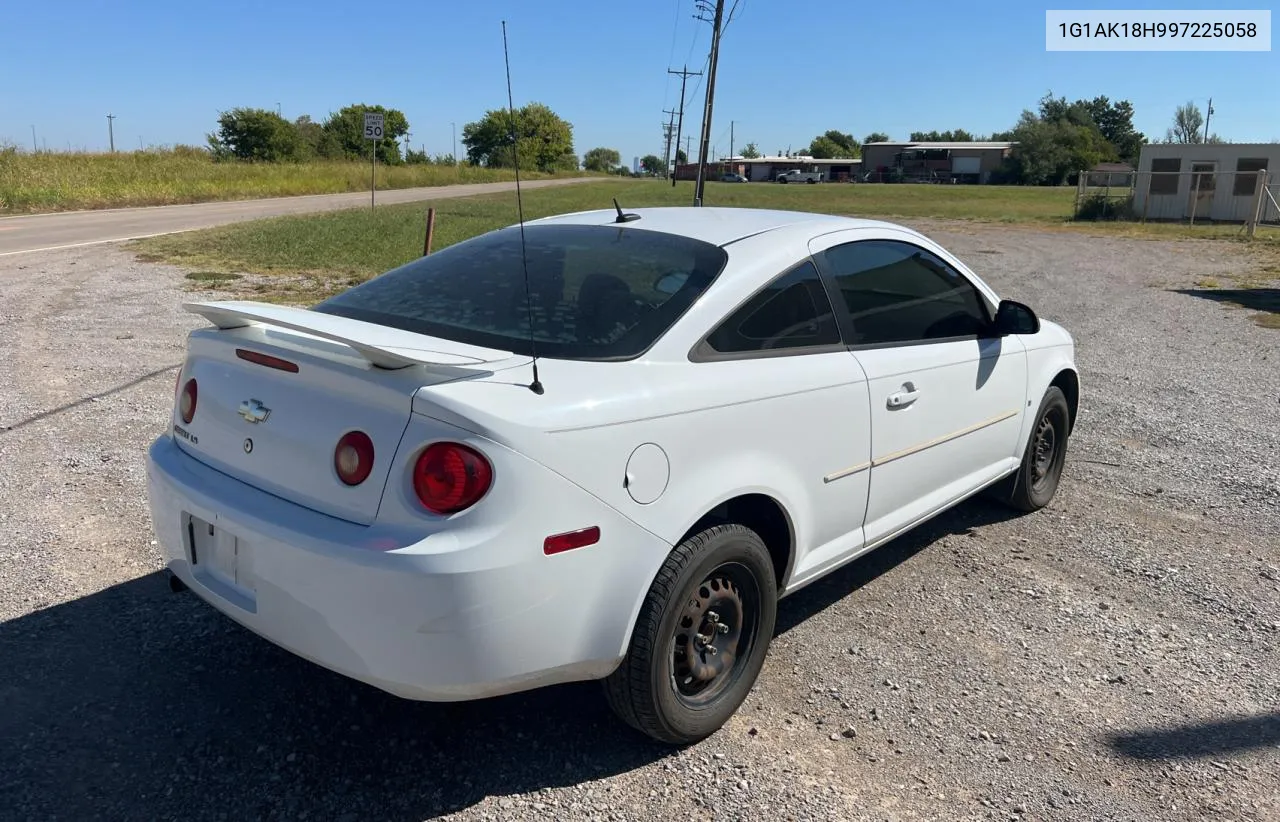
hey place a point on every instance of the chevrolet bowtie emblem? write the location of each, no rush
(254, 411)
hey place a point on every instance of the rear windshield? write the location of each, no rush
(598, 292)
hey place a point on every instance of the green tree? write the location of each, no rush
(542, 139)
(601, 159)
(316, 142)
(1188, 126)
(681, 157)
(1055, 144)
(957, 136)
(256, 135)
(834, 144)
(651, 164)
(1115, 121)
(750, 152)
(875, 137)
(344, 133)
(823, 148)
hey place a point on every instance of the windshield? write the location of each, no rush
(597, 292)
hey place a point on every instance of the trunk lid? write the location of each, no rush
(277, 429)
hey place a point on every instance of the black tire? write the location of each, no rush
(657, 689)
(1036, 481)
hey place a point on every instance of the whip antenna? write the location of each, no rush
(536, 385)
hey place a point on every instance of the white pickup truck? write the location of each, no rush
(795, 175)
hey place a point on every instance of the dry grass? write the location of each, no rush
(64, 181)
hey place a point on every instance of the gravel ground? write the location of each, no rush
(1113, 657)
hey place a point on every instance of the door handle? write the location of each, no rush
(905, 397)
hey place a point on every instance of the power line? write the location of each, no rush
(675, 31)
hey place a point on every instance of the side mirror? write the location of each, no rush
(1015, 318)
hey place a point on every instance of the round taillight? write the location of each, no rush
(449, 477)
(353, 458)
(187, 402)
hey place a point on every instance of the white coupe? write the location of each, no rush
(598, 446)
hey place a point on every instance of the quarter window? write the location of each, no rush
(899, 293)
(792, 312)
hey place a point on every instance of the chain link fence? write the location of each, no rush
(1203, 195)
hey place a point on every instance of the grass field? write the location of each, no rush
(306, 257)
(62, 181)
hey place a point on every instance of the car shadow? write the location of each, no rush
(835, 586)
(1263, 300)
(135, 702)
(1200, 740)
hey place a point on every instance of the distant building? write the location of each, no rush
(1207, 181)
(958, 162)
(765, 169)
(1116, 175)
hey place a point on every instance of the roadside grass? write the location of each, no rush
(305, 258)
(50, 181)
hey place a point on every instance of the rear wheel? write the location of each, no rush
(701, 638)
(1036, 481)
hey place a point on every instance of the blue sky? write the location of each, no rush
(786, 73)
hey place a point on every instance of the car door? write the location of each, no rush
(946, 399)
(813, 429)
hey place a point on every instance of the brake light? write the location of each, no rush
(353, 458)
(267, 360)
(187, 402)
(449, 477)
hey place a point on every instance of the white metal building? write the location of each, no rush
(1205, 181)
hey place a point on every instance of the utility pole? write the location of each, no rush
(731, 122)
(711, 90)
(35, 148)
(1207, 115)
(454, 126)
(668, 129)
(685, 74)
(111, 132)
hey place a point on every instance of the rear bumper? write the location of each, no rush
(458, 614)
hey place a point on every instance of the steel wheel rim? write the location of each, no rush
(714, 634)
(1045, 450)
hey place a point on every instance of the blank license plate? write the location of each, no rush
(218, 558)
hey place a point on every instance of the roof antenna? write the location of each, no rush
(536, 385)
(623, 218)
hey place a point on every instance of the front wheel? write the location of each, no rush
(701, 637)
(1036, 481)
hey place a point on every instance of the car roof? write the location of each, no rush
(717, 225)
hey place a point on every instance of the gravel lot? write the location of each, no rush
(1113, 657)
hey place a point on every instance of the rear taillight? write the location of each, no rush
(187, 402)
(353, 458)
(449, 477)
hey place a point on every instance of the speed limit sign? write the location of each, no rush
(372, 126)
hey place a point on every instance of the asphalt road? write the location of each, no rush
(46, 232)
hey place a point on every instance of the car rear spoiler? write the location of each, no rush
(382, 346)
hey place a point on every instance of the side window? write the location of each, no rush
(792, 312)
(899, 293)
